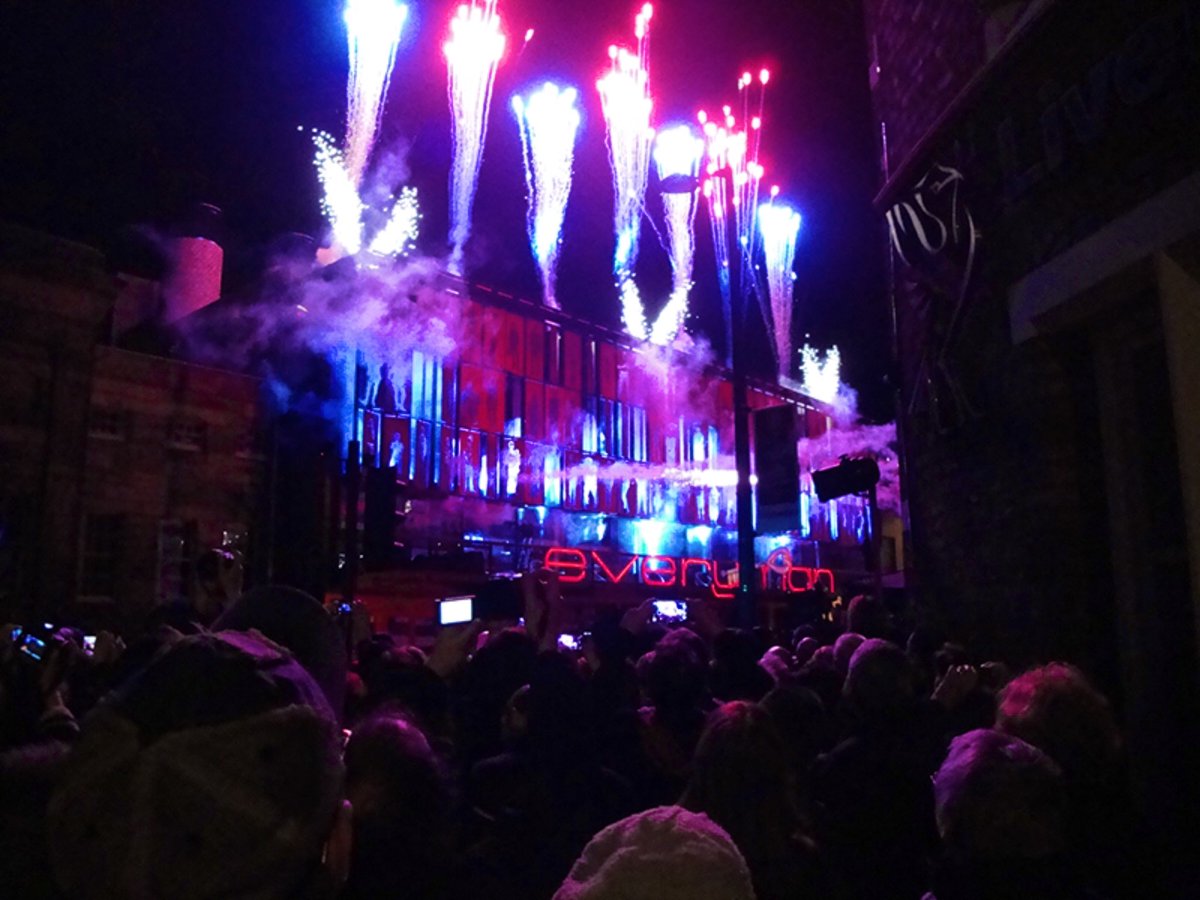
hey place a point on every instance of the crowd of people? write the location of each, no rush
(250, 749)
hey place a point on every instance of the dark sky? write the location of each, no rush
(119, 114)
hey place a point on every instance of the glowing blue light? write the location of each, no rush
(833, 520)
(648, 536)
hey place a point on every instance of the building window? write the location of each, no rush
(187, 435)
(176, 550)
(249, 446)
(108, 424)
(98, 565)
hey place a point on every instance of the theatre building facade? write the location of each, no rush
(536, 439)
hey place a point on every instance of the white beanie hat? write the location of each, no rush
(661, 854)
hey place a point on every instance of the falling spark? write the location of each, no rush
(626, 103)
(339, 199)
(472, 55)
(821, 380)
(780, 226)
(373, 30)
(677, 153)
(549, 123)
(399, 235)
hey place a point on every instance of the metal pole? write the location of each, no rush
(876, 544)
(745, 612)
(353, 477)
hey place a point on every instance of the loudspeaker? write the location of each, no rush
(852, 476)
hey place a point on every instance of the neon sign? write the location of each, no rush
(575, 566)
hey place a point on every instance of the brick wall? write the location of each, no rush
(170, 442)
(925, 52)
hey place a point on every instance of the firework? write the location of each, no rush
(780, 226)
(677, 153)
(472, 55)
(373, 30)
(339, 196)
(731, 184)
(625, 100)
(821, 379)
(549, 123)
(399, 235)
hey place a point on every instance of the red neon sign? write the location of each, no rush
(573, 566)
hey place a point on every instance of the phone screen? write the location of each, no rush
(670, 611)
(33, 647)
(89, 643)
(455, 610)
(568, 642)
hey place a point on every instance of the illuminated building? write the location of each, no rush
(541, 439)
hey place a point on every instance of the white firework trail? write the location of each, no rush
(821, 379)
(549, 121)
(472, 55)
(399, 235)
(780, 225)
(339, 198)
(626, 103)
(373, 29)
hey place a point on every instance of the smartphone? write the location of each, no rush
(670, 611)
(500, 598)
(16, 633)
(89, 643)
(456, 610)
(34, 647)
(569, 642)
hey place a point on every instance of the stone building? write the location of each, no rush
(116, 468)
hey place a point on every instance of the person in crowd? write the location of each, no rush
(674, 680)
(873, 803)
(27, 777)
(800, 717)
(664, 853)
(215, 771)
(1055, 708)
(218, 584)
(545, 798)
(843, 650)
(1000, 809)
(488, 680)
(743, 780)
(736, 674)
(402, 806)
(298, 622)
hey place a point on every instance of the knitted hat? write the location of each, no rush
(214, 772)
(661, 854)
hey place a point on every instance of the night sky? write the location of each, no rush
(118, 115)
